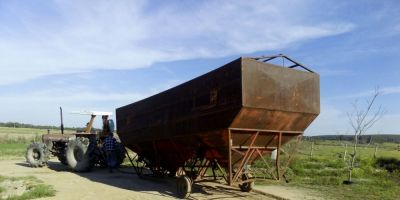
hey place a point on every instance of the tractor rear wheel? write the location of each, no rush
(37, 154)
(79, 155)
(63, 159)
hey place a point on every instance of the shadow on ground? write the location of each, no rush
(23, 164)
(125, 178)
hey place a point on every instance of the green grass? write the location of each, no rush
(22, 131)
(326, 171)
(14, 141)
(329, 149)
(37, 191)
(24, 135)
(35, 188)
(20, 135)
(12, 150)
(127, 162)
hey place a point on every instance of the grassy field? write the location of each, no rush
(12, 150)
(23, 131)
(335, 148)
(19, 133)
(13, 144)
(24, 188)
(326, 170)
(13, 141)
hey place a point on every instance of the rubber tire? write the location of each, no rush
(184, 187)
(63, 159)
(37, 149)
(78, 155)
(49, 144)
(248, 186)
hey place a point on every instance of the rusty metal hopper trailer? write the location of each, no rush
(224, 119)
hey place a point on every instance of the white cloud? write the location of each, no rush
(391, 90)
(41, 107)
(76, 36)
(384, 91)
(78, 96)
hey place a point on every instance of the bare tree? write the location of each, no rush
(361, 119)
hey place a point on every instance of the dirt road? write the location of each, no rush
(99, 184)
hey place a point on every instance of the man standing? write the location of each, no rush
(110, 143)
(106, 127)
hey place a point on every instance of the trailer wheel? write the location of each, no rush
(79, 155)
(184, 187)
(36, 154)
(247, 186)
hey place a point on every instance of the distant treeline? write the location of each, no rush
(22, 125)
(363, 139)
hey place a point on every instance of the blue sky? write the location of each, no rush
(100, 55)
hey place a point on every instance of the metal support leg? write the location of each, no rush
(246, 157)
(277, 162)
(230, 158)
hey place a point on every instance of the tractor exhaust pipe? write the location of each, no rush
(62, 123)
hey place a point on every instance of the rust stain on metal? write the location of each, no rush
(264, 106)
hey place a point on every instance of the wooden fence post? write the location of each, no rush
(312, 150)
(376, 150)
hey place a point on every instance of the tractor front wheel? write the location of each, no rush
(37, 154)
(63, 159)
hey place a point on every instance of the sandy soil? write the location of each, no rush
(12, 188)
(290, 193)
(99, 184)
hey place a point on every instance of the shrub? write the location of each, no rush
(390, 164)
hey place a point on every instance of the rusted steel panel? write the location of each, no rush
(171, 153)
(57, 137)
(195, 117)
(259, 118)
(207, 103)
(271, 87)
